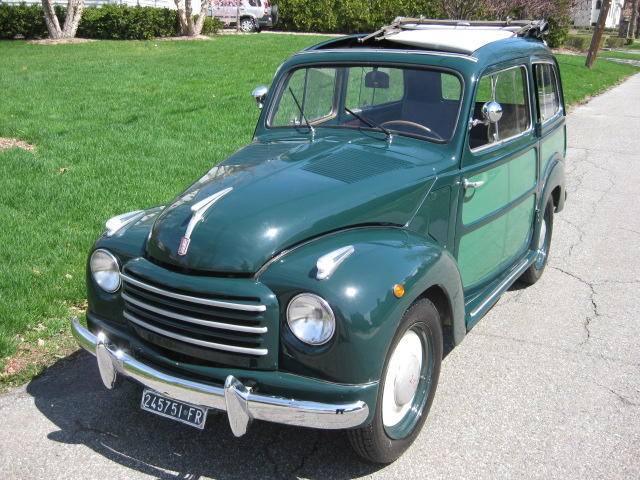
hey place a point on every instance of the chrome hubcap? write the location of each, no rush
(402, 378)
(542, 237)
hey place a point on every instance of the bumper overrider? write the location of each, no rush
(238, 400)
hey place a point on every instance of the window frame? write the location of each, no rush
(555, 70)
(527, 92)
(283, 79)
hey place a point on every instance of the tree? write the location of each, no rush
(634, 19)
(596, 39)
(71, 21)
(188, 26)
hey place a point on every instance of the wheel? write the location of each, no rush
(535, 270)
(407, 386)
(247, 25)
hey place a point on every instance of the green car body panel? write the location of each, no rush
(401, 205)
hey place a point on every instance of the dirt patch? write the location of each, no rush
(195, 37)
(60, 41)
(6, 143)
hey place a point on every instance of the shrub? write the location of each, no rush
(211, 26)
(578, 42)
(21, 20)
(614, 42)
(120, 22)
(558, 33)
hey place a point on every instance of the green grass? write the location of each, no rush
(633, 46)
(631, 55)
(120, 126)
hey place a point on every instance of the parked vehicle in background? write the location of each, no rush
(252, 15)
(397, 184)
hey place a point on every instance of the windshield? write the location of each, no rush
(407, 101)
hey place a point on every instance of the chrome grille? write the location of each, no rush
(227, 325)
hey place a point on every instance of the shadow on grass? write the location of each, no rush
(110, 423)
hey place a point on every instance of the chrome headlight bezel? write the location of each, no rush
(97, 273)
(327, 330)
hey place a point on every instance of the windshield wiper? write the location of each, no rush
(311, 129)
(371, 123)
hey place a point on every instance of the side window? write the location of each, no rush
(314, 88)
(509, 89)
(547, 90)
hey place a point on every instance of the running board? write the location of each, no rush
(482, 308)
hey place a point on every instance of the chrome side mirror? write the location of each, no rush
(492, 112)
(260, 93)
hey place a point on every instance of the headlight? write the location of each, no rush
(311, 319)
(105, 270)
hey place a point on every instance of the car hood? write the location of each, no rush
(279, 194)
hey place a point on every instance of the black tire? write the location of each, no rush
(536, 269)
(274, 14)
(373, 442)
(247, 25)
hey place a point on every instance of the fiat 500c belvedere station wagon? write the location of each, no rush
(396, 185)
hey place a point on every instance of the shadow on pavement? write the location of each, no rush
(111, 424)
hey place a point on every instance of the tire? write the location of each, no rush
(247, 25)
(275, 13)
(395, 427)
(535, 270)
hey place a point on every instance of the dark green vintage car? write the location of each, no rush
(397, 184)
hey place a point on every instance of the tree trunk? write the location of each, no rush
(185, 14)
(596, 39)
(633, 27)
(50, 18)
(71, 22)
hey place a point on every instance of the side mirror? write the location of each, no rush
(260, 93)
(492, 112)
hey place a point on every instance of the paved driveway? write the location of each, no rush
(546, 386)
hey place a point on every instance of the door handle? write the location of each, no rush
(467, 184)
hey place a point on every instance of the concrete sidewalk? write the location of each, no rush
(546, 386)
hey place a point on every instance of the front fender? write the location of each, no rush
(361, 296)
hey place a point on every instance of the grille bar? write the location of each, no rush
(189, 298)
(198, 321)
(195, 341)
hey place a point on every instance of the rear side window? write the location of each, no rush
(547, 90)
(509, 89)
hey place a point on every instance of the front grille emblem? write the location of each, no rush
(199, 210)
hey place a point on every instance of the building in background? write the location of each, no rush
(585, 13)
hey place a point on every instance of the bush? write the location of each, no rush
(578, 42)
(558, 33)
(615, 42)
(349, 16)
(109, 22)
(120, 22)
(21, 20)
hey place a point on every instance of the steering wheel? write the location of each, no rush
(412, 124)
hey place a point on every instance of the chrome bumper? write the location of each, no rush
(240, 403)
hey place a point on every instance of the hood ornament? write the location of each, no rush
(199, 210)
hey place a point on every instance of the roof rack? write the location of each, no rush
(522, 28)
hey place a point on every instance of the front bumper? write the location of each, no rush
(240, 403)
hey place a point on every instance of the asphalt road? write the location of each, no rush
(546, 386)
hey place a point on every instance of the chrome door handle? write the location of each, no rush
(467, 184)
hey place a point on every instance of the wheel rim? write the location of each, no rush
(246, 25)
(543, 245)
(407, 383)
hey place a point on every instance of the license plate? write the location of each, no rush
(183, 412)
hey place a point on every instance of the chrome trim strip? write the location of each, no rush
(522, 266)
(188, 298)
(243, 401)
(436, 53)
(207, 323)
(195, 341)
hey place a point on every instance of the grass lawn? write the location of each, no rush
(120, 126)
(631, 55)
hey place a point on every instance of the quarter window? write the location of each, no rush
(547, 89)
(509, 89)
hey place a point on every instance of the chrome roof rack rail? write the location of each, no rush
(528, 28)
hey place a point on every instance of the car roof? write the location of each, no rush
(483, 42)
